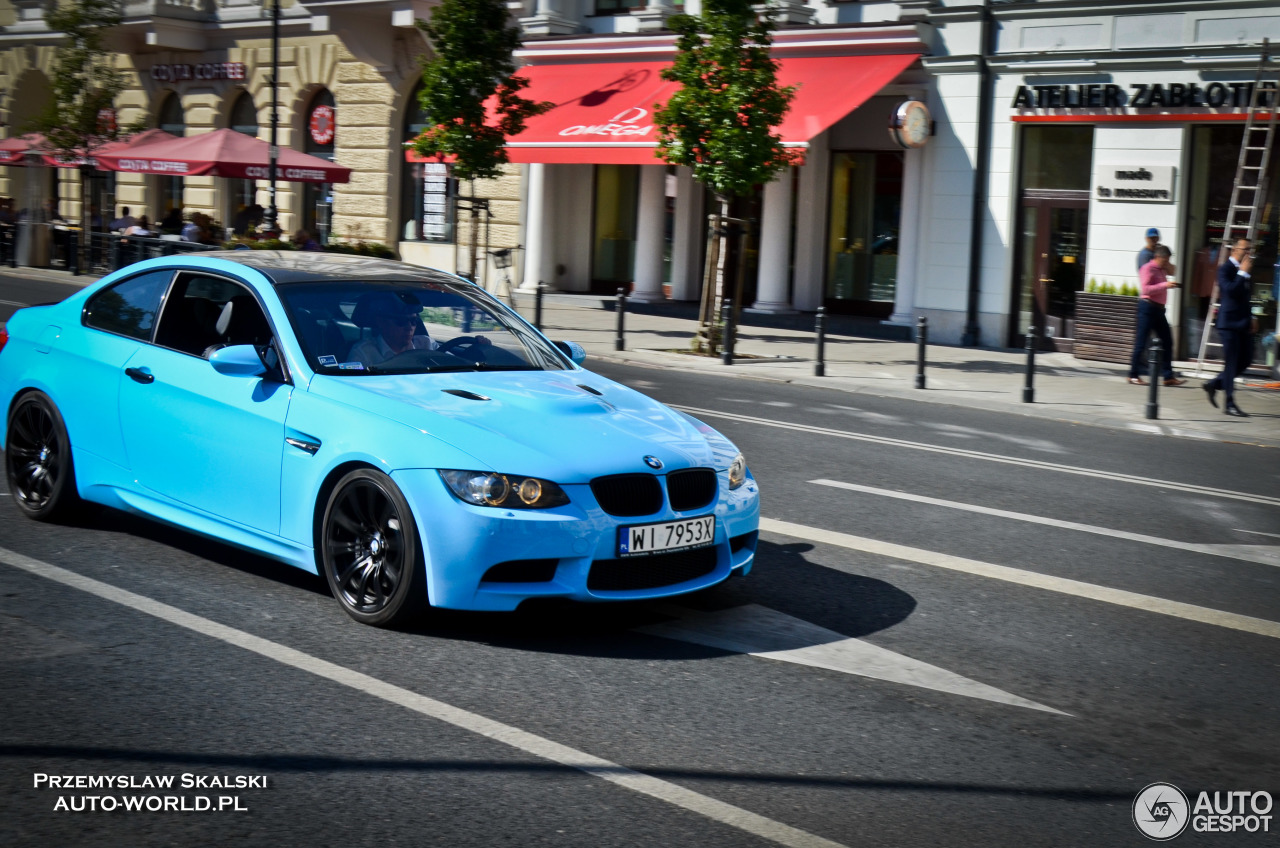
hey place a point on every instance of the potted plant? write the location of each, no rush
(1106, 320)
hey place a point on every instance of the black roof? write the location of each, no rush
(302, 266)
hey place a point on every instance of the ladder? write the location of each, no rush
(1248, 192)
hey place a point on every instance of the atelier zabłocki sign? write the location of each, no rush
(1176, 95)
(1133, 183)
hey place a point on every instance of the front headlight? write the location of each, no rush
(507, 491)
(738, 472)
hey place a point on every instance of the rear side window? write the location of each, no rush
(128, 308)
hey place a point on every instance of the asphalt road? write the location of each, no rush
(976, 630)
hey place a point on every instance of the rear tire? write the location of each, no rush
(37, 460)
(370, 552)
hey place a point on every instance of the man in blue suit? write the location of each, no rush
(1234, 325)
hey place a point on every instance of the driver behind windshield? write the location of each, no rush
(394, 324)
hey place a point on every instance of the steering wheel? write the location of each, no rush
(469, 345)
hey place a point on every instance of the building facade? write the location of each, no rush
(1059, 131)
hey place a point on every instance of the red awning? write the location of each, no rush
(121, 146)
(223, 153)
(13, 150)
(604, 111)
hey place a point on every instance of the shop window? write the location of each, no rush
(242, 193)
(618, 7)
(428, 195)
(1057, 157)
(1215, 153)
(172, 120)
(319, 137)
(617, 194)
(862, 246)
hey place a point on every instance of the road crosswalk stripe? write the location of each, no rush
(1264, 554)
(514, 737)
(1063, 585)
(988, 457)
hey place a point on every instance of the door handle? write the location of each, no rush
(139, 375)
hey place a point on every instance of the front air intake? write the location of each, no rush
(628, 494)
(651, 572)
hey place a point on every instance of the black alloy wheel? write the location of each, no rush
(38, 460)
(371, 555)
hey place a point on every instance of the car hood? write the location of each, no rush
(539, 423)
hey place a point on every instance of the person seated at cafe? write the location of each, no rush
(191, 232)
(124, 222)
(172, 221)
(142, 228)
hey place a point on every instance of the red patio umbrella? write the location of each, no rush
(13, 150)
(223, 153)
(119, 146)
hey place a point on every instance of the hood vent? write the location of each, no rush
(585, 387)
(463, 393)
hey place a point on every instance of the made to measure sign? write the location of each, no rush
(1133, 183)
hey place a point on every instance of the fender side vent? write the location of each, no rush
(463, 393)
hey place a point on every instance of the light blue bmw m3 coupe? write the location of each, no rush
(391, 427)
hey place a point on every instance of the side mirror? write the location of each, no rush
(238, 361)
(573, 350)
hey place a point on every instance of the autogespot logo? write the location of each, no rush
(1160, 811)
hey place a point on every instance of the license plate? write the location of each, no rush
(666, 537)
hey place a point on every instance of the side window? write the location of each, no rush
(128, 308)
(205, 313)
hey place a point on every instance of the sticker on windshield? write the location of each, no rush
(328, 361)
(352, 366)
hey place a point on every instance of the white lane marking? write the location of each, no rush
(514, 737)
(1265, 554)
(1077, 588)
(13, 303)
(990, 457)
(1259, 533)
(763, 632)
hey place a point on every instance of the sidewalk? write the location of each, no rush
(864, 356)
(1066, 389)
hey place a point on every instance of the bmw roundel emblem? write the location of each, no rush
(653, 462)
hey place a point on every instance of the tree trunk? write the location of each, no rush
(708, 339)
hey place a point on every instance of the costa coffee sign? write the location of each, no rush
(630, 122)
(205, 71)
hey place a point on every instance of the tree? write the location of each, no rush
(80, 117)
(470, 92)
(720, 122)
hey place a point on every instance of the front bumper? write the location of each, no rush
(462, 542)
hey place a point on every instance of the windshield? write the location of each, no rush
(356, 328)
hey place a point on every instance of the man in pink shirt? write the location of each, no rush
(1155, 284)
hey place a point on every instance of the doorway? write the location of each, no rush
(1053, 227)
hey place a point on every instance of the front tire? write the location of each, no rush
(37, 458)
(370, 550)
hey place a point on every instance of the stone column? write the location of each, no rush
(649, 226)
(775, 247)
(536, 231)
(653, 17)
(811, 225)
(909, 223)
(690, 234)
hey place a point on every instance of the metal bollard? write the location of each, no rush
(726, 322)
(113, 254)
(1029, 390)
(73, 253)
(621, 308)
(1153, 372)
(537, 306)
(922, 342)
(820, 328)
